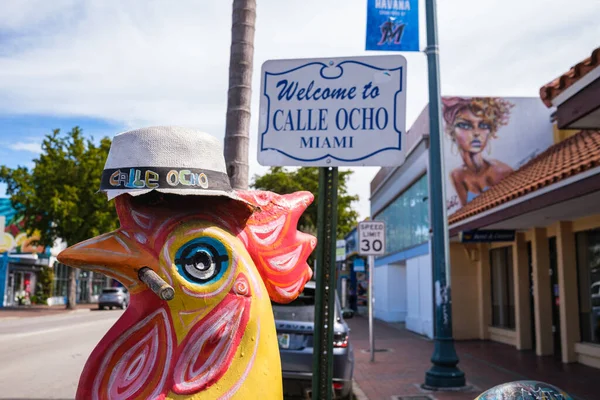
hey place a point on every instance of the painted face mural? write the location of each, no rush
(216, 338)
(471, 125)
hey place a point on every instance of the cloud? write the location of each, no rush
(145, 62)
(33, 147)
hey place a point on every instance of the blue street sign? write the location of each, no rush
(393, 25)
(359, 265)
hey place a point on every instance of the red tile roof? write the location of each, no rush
(549, 91)
(572, 156)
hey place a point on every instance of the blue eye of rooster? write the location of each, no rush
(202, 260)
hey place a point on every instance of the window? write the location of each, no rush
(61, 280)
(99, 282)
(407, 218)
(503, 296)
(588, 272)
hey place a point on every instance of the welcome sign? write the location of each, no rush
(333, 112)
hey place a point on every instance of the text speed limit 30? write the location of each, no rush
(371, 238)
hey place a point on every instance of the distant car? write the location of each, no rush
(295, 328)
(113, 297)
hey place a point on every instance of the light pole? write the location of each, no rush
(444, 372)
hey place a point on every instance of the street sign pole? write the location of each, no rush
(371, 300)
(312, 113)
(444, 372)
(325, 284)
(371, 243)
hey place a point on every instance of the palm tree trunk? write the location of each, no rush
(237, 128)
(72, 290)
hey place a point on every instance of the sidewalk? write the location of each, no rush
(40, 310)
(401, 370)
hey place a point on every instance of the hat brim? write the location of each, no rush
(112, 193)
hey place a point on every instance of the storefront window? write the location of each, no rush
(61, 280)
(100, 281)
(407, 218)
(503, 296)
(588, 271)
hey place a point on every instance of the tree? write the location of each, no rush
(58, 197)
(282, 181)
(237, 126)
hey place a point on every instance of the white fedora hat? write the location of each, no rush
(166, 159)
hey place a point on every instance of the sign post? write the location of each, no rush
(371, 243)
(331, 112)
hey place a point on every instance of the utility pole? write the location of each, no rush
(444, 372)
(239, 95)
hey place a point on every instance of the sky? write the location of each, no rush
(109, 66)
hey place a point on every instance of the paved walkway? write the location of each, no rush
(401, 370)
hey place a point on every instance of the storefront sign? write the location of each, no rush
(371, 238)
(331, 112)
(392, 25)
(487, 236)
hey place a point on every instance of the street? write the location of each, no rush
(42, 357)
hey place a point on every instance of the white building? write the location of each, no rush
(399, 196)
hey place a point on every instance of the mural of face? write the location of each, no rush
(471, 132)
(216, 338)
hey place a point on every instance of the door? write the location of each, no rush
(18, 288)
(10, 290)
(531, 294)
(555, 295)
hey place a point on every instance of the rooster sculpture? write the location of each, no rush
(225, 260)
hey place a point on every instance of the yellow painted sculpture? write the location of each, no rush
(202, 264)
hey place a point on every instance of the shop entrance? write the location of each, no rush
(18, 289)
(555, 295)
(531, 294)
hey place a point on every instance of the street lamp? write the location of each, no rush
(444, 372)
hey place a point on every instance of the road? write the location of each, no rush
(42, 357)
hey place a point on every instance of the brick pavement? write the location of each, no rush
(401, 370)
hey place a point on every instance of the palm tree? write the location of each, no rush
(237, 127)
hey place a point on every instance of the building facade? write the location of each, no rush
(24, 268)
(399, 197)
(517, 129)
(540, 291)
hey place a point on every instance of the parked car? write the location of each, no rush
(295, 328)
(113, 297)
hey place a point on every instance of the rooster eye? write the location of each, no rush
(202, 260)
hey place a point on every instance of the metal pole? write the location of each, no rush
(444, 372)
(322, 380)
(371, 301)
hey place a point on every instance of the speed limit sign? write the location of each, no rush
(371, 238)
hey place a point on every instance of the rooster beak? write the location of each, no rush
(114, 254)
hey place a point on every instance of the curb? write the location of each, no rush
(42, 314)
(80, 310)
(358, 393)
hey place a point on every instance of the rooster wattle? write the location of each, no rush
(226, 261)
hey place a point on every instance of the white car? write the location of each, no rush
(113, 297)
